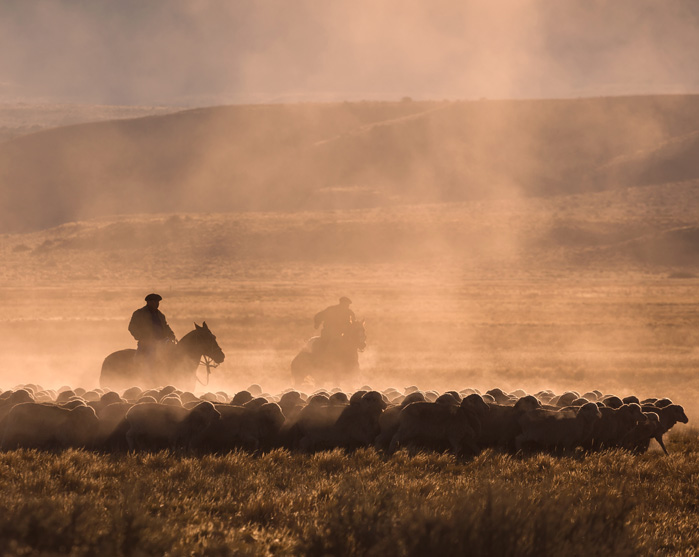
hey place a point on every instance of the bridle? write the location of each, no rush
(208, 362)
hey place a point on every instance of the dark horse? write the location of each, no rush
(120, 370)
(332, 363)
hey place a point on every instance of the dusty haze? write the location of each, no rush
(209, 52)
(515, 243)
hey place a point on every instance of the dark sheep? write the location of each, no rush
(111, 433)
(426, 424)
(241, 398)
(500, 426)
(158, 426)
(356, 426)
(557, 431)
(31, 425)
(612, 401)
(245, 427)
(638, 439)
(614, 426)
(389, 420)
(669, 416)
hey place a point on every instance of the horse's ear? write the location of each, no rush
(197, 327)
(204, 325)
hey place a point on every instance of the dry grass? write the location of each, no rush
(333, 503)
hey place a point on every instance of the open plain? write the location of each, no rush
(570, 285)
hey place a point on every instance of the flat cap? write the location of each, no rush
(154, 297)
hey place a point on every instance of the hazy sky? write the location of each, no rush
(209, 51)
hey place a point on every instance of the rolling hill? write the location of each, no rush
(648, 229)
(345, 156)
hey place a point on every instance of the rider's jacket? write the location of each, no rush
(335, 319)
(148, 326)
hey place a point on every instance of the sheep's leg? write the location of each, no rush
(659, 439)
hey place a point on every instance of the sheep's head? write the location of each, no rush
(447, 398)
(678, 413)
(589, 411)
(475, 403)
(527, 403)
(205, 413)
(416, 396)
(373, 400)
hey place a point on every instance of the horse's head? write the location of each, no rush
(205, 341)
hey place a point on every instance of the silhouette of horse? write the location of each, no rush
(177, 363)
(332, 363)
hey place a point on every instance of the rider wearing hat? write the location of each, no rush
(149, 327)
(336, 321)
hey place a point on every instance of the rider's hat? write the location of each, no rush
(345, 300)
(153, 297)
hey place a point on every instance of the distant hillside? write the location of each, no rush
(652, 229)
(18, 118)
(344, 156)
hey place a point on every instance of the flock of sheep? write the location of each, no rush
(464, 422)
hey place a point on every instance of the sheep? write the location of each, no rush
(389, 420)
(450, 397)
(33, 425)
(425, 424)
(638, 439)
(614, 425)
(339, 399)
(356, 425)
(612, 401)
(291, 404)
(241, 398)
(566, 399)
(111, 433)
(669, 415)
(558, 431)
(500, 426)
(256, 402)
(317, 415)
(499, 395)
(132, 394)
(171, 400)
(156, 426)
(12, 398)
(252, 428)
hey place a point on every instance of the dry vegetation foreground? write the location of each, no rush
(332, 503)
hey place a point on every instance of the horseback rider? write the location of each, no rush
(336, 321)
(149, 327)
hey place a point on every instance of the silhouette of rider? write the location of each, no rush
(149, 327)
(336, 321)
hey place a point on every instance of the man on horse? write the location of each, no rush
(336, 321)
(149, 327)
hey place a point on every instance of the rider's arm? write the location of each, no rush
(135, 327)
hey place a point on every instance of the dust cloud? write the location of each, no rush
(487, 243)
(206, 52)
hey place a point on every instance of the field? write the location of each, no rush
(359, 504)
(586, 289)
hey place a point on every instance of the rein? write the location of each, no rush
(209, 363)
